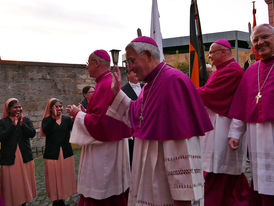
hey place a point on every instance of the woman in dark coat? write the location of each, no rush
(59, 161)
(17, 174)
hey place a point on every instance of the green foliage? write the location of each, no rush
(183, 66)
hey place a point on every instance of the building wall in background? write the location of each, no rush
(184, 57)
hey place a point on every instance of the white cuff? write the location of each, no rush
(79, 134)
(119, 109)
(237, 129)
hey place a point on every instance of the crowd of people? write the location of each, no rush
(157, 140)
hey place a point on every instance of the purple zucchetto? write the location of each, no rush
(145, 39)
(223, 42)
(102, 54)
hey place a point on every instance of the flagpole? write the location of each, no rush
(203, 77)
(139, 32)
(155, 30)
(254, 13)
(194, 49)
(253, 26)
(249, 34)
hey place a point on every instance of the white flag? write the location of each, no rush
(155, 29)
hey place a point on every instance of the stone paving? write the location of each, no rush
(41, 198)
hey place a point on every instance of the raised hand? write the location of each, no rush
(116, 80)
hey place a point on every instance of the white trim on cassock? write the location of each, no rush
(217, 156)
(162, 171)
(104, 166)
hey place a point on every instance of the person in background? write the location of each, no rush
(252, 110)
(225, 182)
(249, 62)
(167, 119)
(87, 91)
(104, 172)
(17, 172)
(209, 70)
(59, 161)
(132, 89)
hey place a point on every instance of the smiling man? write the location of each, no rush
(253, 110)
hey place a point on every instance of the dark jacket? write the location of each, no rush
(129, 91)
(11, 136)
(85, 103)
(57, 136)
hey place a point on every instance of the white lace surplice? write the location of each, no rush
(260, 139)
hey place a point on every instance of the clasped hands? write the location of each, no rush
(20, 118)
(73, 109)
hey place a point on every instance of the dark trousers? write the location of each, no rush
(130, 147)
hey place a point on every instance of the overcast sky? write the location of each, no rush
(67, 31)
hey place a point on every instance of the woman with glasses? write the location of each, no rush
(87, 92)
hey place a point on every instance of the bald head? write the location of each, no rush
(98, 63)
(262, 26)
(219, 53)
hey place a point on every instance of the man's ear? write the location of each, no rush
(96, 62)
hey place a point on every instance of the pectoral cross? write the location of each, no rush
(258, 97)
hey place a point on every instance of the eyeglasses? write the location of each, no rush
(130, 61)
(212, 52)
(263, 37)
(92, 60)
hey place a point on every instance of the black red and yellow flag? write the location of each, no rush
(197, 66)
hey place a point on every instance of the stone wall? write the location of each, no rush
(34, 83)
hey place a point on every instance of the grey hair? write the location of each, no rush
(105, 62)
(141, 47)
(229, 50)
(262, 25)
